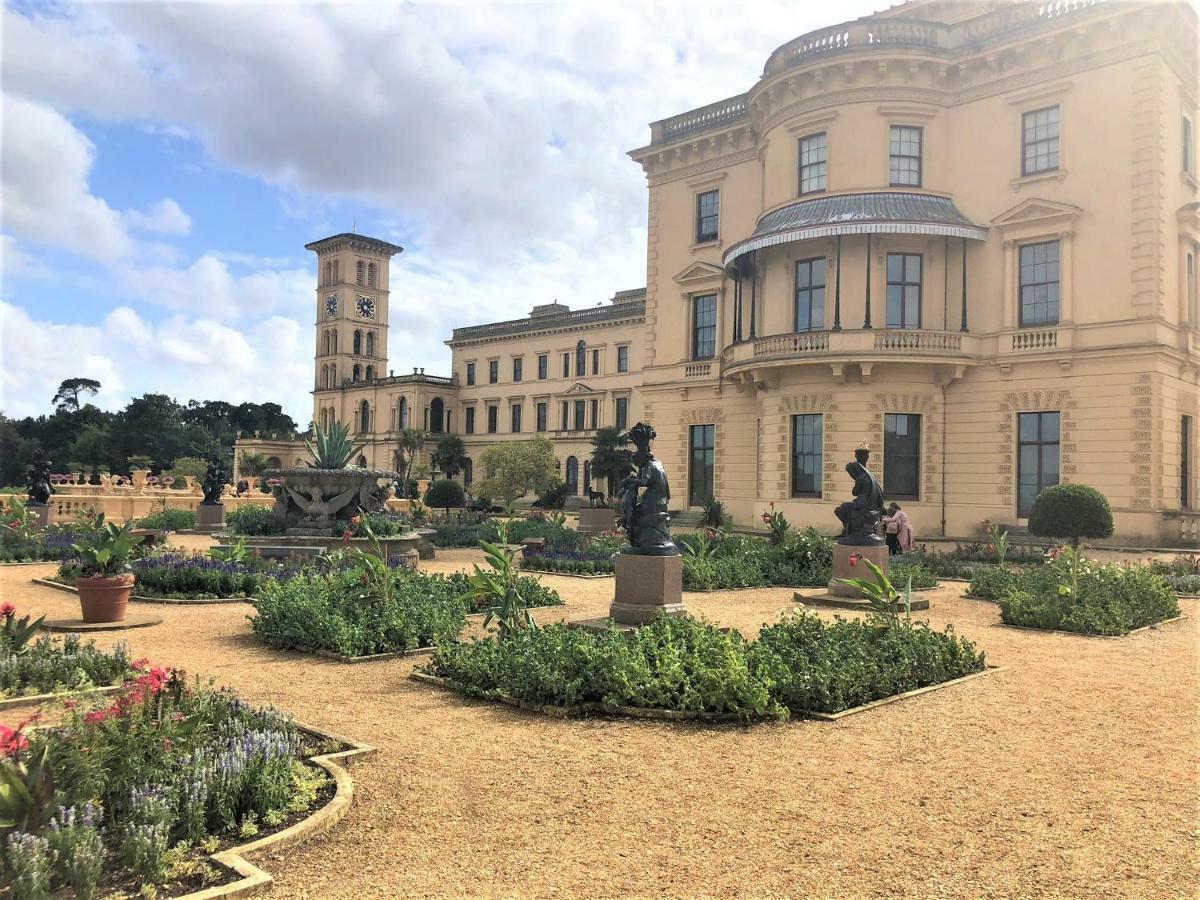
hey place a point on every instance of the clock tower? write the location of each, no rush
(351, 317)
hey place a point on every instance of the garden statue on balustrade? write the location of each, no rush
(645, 518)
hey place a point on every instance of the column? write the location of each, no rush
(964, 285)
(867, 315)
(837, 289)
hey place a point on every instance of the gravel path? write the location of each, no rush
(1072, 773)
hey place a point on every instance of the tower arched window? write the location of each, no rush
(326, 342)
(357, 373)
(328, 279)
(370, 343)
(572, 475)
(580, 359)
(333, 375)
(334, 342)
(364, 416)
(370, 373)
(360, 271)
(371, 276)
(357, 343)
(403, 412)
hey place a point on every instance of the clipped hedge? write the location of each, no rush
(800, 664)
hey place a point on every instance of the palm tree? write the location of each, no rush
(612, 459)
(450, 455)
(408, 445)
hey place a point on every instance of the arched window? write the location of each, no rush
(580, 359)
(436, 415)
(333, 375)
(468, 472)
(273, 462)
(370, 343)
(329, 272)
(572, 475)
(362, 461)
(326, 342)
(357, 343)
(587, 476)
(403, 412)
(370, 373)
(335, 271)
(364, 416)
(335, 342)
(357, 375)
(359, 272)
(371, 274)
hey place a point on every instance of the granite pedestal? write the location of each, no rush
(41, 513)
(596, 520)
(647, 587)
(844, 567)
(210, 517)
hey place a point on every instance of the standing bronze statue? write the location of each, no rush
(214, 481)
(860, 516)
(644, 517)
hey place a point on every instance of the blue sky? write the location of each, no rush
(164, 164)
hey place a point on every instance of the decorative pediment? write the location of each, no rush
(1036, 211)
(579, 388)
(699, 272)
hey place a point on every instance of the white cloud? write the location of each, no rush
(45, 167)
(209, 286)
(187, 358)
(164, 217)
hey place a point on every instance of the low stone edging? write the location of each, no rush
(372, 657)
(1107, 637)
(141, 598)
(251, 878)
(673, 715)
(30, 562)
(569, 574)
(38, 699)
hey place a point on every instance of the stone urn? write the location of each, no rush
(104, 599)
(313, 501)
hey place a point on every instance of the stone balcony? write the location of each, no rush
(863, 346)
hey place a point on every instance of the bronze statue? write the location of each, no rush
(40, 488)
(214, 481)
(645, 518)
(860, 516)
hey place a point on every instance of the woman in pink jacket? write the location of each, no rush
(898, 530)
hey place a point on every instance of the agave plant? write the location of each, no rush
(334, 448)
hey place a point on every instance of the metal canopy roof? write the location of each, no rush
(872, 213)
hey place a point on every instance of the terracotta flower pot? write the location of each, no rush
(104, 599)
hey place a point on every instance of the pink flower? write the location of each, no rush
(346, 535)
(853, 559)
(95, 717)
(12, 741)
(7, 611)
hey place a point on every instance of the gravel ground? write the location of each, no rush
(1071, 773)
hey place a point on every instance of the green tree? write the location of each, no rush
(516, 468)
(612, 459)
(69, 391)
(408, 445)
(92, 446)
(251, 464)
(152, 425)
(444, 494)
(1071, 511)
(451, 455)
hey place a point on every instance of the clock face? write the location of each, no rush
(366, 308)
(330, 307)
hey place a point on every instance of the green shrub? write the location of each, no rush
(445, 494)
(801, 664)
(555, 496)
(1071, 512)
(169, 520)
(1095, 599)
(992, 583)
(49, 665)
(254, 520)
(901, 569)
(803, 559)
(714, 515)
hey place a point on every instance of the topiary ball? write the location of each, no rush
(1072, 512)
(445, 494)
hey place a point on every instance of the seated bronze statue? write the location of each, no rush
(860, 516)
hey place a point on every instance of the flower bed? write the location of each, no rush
(796, 666)
(169, 520)
(713, 561)
(132, 797)
(904, 569)
(47, 665)
(341, 614)
(1075, 594)
(1182, 574)
(186, 576)
(51, 544)
(572, 553)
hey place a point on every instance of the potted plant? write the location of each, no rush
(105, 582)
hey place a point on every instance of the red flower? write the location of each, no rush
(7, 611)
(95, 717)
(346, 535)
(853, 559)
(12, 741)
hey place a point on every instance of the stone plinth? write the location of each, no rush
(647, 587)
(842, 567)
(596, 520)
(41, 513)
(210, 516)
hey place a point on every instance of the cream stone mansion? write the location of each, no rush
(966, 233)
